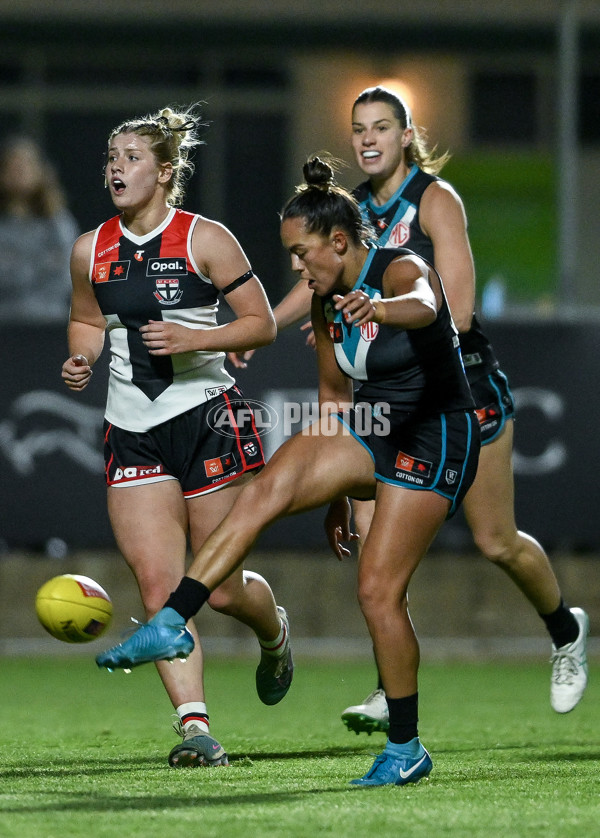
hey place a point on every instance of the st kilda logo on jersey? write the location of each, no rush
(166, 270)
(168, 291)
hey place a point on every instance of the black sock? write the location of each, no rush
(404, 718)
(188, 598)
(562, 625)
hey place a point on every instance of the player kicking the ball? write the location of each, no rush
(380, 319)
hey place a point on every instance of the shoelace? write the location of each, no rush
(376, 695)
(131, 630)
(177, 726)
(282, 661)
(126, 633)
(565, 668)
(379, 759)
(282, 666)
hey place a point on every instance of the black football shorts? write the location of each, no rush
(204, 448)
(494, 404)
(437, 453)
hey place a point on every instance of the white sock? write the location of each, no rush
(193, 713)
(275, 647)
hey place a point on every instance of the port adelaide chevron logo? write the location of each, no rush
(167, 271)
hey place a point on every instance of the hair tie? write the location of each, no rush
(187, 126)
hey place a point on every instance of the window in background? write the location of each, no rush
(504, 107)
(589, 108)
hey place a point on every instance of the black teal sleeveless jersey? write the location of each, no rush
(416, 370)
(397, 225)
(154, 277)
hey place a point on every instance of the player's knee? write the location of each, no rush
(228, 598)
(498, 547)
(222, 601)
(155, 589)
(367, 601)
(264, 499)
(376, 597)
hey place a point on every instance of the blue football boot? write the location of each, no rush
(397, 766)
(164, 637)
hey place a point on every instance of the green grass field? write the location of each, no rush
(84, 756)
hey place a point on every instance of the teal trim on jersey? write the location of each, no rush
(365, 269)
(349, 347)
(352, 335)
(403, 205)
(381, 210)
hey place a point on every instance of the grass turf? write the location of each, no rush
(84, 756)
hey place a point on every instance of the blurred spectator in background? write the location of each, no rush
(37, 232)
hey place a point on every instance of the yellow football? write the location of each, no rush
(73, 608)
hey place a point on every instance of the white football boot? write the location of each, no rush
(569, 668)
(371, 715)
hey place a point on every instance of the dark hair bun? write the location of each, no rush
(318, 173)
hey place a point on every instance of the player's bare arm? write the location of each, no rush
(409, 301)
(220, 257)
(87, 325)
(444, 220)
